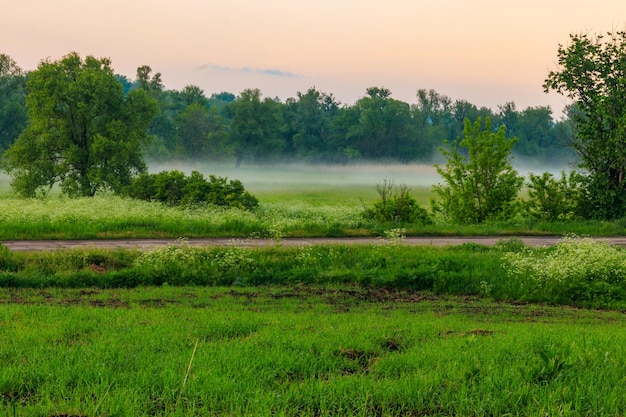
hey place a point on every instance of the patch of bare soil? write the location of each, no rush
(82, 297)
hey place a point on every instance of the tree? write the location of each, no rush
(309, 122)
(539, 138)
(255, 126)
(551, 199)
(193, 94)
(482, 184)
(192, 130)
(83, 132)
(592, 72)
(201, 133)
(12, 101)
(438, 119)
(385, 128)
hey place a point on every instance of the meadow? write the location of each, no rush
(302, 351)
(295, 201)
(381, 329)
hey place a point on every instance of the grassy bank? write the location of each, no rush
(115, 217)
(507, 271)
(302, 351)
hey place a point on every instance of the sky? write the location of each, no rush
(487, 52)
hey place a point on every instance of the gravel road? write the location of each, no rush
(147, 244)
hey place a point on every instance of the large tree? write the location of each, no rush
(309, 122)
(385, 129)
(83, 132)
(592, 72)
(255, 126)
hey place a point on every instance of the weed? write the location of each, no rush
(577, 270)
(553, 362)
(395, 236)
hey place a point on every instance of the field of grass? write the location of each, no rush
(322, 214)
(330, 330)
(302, 351)
(294, 202)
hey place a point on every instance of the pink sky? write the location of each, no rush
(485, 51)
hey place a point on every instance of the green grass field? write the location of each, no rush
(375, 330)
(302, 351)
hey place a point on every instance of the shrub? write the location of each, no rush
(396, 205)
(7, 260)
(551, 199)
(174, 188)
(480, 182)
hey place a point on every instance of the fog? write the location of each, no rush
(285, 175)
(358, 174)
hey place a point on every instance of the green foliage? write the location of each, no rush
(309, 120)
(13, 115)
(396, 205)
(204, 266)
(482, 185)
(551, 199)
(201, 134)
(175, 188)
(388, 265)
(83, 132)
(577, 271)
(591, 72)
(7, 261)
(385, 128)
(313, 126)
(255, 126)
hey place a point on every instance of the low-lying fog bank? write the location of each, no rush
(412, 175)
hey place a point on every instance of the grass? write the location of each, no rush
(375, 330)
(302, 351)
(114, 217)
(507, 271)
(295, 201)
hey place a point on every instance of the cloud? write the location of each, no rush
(273, 72)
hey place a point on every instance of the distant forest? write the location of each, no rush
(311, 127)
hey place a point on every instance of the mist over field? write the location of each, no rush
(292, 174)
(357, 174)
(284, 180)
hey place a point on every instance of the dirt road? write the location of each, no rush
(147, 244)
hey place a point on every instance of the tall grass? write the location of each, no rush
(111, 216)
(115, 217)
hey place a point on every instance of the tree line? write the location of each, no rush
(76, 123)
(311, 127)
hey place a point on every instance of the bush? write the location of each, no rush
(551, 199)
(396, 205)
(174, 188)
(480, 182)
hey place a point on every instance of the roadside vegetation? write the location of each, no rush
(508, 272)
